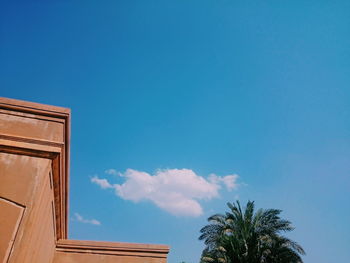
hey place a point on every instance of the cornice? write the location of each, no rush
(32, 107)
(112, 248)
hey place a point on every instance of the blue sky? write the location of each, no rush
(254, 89)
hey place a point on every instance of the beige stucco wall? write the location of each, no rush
(26, 184)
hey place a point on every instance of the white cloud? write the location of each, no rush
(103, 183)
(81, 219)
(230, 181)
(177, 191)
(112, 172)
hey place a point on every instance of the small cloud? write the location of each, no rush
(112, 172)
(103, 183)
(230, 181)
(81, 219)
(177, 191)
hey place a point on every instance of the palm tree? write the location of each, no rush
(248, 237)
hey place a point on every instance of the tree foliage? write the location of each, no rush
(249, 237)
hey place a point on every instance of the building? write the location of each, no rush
(34, 175)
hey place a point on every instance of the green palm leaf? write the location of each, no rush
(249, 237)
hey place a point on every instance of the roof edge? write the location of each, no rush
(33, 106)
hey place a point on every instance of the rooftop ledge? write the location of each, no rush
(112, 248)
(32, 106)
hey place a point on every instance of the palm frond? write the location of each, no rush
(243, 235)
